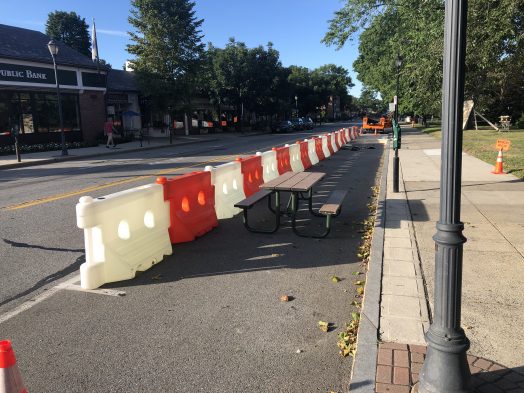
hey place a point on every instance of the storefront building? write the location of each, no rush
(122, 100)
(28, 97)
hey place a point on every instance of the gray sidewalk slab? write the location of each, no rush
(493, 214)
(492, 294)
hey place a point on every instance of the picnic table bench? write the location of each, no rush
(300, 185)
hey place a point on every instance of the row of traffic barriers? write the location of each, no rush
(132, 230)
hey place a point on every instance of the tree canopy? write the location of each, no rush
(69, 28)
(168, 48)
(414, 31)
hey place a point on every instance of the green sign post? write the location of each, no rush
(397, 135)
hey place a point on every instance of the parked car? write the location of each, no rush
(298, 124)
(283, 126)
(308, 123)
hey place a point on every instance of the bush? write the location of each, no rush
(520, 122)
(51, 146)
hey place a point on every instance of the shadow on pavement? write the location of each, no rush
(209, 317)
(498, 380)
(230, 248)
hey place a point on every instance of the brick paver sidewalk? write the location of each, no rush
(398, 367)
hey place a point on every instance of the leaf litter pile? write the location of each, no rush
(347, 339)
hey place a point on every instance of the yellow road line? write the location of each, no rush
(52, 198)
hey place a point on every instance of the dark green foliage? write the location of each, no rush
(415, 30)
(69, 28)
(252, 78)
(168, 49)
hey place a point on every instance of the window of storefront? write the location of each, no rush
(37, 112)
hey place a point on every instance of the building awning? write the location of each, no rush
(130, 113)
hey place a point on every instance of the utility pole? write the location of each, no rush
(446, 368)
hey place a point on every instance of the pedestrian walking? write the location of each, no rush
(108, 130)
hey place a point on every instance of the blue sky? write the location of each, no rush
(294, 26)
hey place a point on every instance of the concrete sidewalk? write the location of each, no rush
(492, 292)
(48, 157)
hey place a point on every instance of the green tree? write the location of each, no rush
(313, 88)
(69, 28)
(168, 50)
(230, 76)
(332, 80)
(368, 102)
(414, 30)
(300, 82)
(250, 79)
(266, 77)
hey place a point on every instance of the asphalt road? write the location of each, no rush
(40, 242)
(208, 318)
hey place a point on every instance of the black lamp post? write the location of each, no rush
(170, 121)
(296, 104)
(53, 49)
(446, 368)
(398, 63)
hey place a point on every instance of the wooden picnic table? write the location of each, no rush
(300, 185)
(294, 181)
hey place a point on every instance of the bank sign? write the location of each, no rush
(30, 74)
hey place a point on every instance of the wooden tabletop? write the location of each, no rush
(291, 181)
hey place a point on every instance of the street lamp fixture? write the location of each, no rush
(398, 62)
(296, 104)
(53, 49)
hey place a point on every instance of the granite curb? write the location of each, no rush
(365, 361)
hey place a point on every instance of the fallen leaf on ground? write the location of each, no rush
(359, 282)
(326, 326)
(335, 279)
(284, 298)
(360, 290)
(356, 273)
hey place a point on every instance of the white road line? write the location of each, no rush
(70, 285)
(38, 299)
(103, 291)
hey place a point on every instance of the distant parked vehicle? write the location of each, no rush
(298, 124)
(283, 126)
(308, 123)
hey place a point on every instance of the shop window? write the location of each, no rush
(47, 112)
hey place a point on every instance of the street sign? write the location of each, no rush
(503, 144)
(391, 107)
(468, 106)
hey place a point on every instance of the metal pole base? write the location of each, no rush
(446, 368)
(396, 162)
